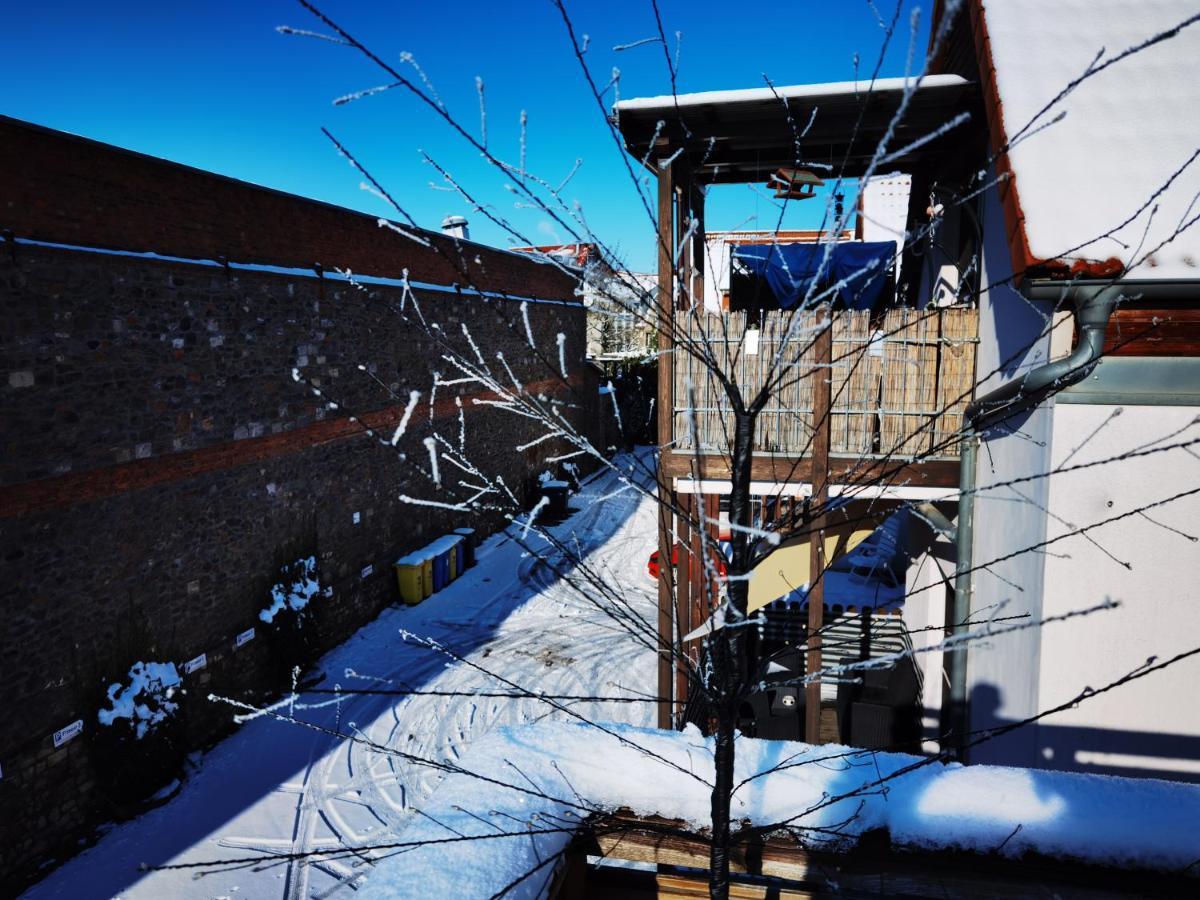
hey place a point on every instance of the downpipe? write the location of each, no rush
(1093, 307)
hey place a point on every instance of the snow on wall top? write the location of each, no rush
(1126, 130)
(559, 771)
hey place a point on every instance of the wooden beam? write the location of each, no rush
(871, 868)
(666, 406)
(1140, 331)
(687, 886)
(823, 412)
(666, 305)
(854, 470)
(685, 587)
(698, 250)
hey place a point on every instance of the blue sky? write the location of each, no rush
(212, 84)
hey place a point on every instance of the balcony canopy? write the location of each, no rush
(746, 135)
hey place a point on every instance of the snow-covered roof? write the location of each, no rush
(1123, 135)
(748, 134)
(668, 102)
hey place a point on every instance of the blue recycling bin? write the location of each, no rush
(441, 567)
(467, 548)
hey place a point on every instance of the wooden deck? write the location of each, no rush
(780, 867)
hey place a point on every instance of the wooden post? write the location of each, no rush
(684, 587)
(822, 408)
(666, 427)
(696, 255)
(711, 599)
(698, 600)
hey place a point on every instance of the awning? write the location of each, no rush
(745, 135)
(871, 574)
(868, 570)
(856, 272)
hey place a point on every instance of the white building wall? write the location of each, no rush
(1145, 563)
(925, 619)
(885, 211)
(1002, 675)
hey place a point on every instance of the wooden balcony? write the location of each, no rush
(898, 386)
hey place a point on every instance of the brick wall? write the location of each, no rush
(71, 190)
(158, 455)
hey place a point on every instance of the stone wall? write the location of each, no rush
(164, 446)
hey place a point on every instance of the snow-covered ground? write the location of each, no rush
(279, 788)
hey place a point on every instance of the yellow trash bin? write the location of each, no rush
(410, 575)
(427, 573)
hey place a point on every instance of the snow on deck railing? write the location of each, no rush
(899, 384)
(833, 794)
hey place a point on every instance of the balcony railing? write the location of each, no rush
(899, 382)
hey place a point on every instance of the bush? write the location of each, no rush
(138, 744)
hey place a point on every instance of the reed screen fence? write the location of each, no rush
(899, 382)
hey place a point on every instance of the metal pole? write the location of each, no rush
(958, 722)
(822, 411)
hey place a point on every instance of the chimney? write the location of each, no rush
(456, 227)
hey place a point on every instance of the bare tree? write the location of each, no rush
(726, 672)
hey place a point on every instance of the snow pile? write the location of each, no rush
(1126, 131)
(146, 700)
(559, 772)
(298, 586)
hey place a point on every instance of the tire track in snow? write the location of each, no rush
(555, 642)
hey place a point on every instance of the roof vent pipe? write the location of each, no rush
(456, 227)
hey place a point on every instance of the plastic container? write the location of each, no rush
(467, 548)
(440, 552)
(556, 492)
(441, 567)
(427, 572)
(410, 576)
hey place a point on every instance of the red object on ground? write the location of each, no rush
(652, 563)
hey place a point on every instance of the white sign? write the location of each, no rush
(367, 570)
(357, 518)
(244, 638)
(875, 348)
(65, 734)
(194, 665)
(751, 343)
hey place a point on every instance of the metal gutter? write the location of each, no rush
(1139, 381)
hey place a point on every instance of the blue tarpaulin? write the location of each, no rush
(857, 271)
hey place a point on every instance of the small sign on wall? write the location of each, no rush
(243, 639)
(195, 665)
(367, 570)
(65, 734)
(751, 342)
